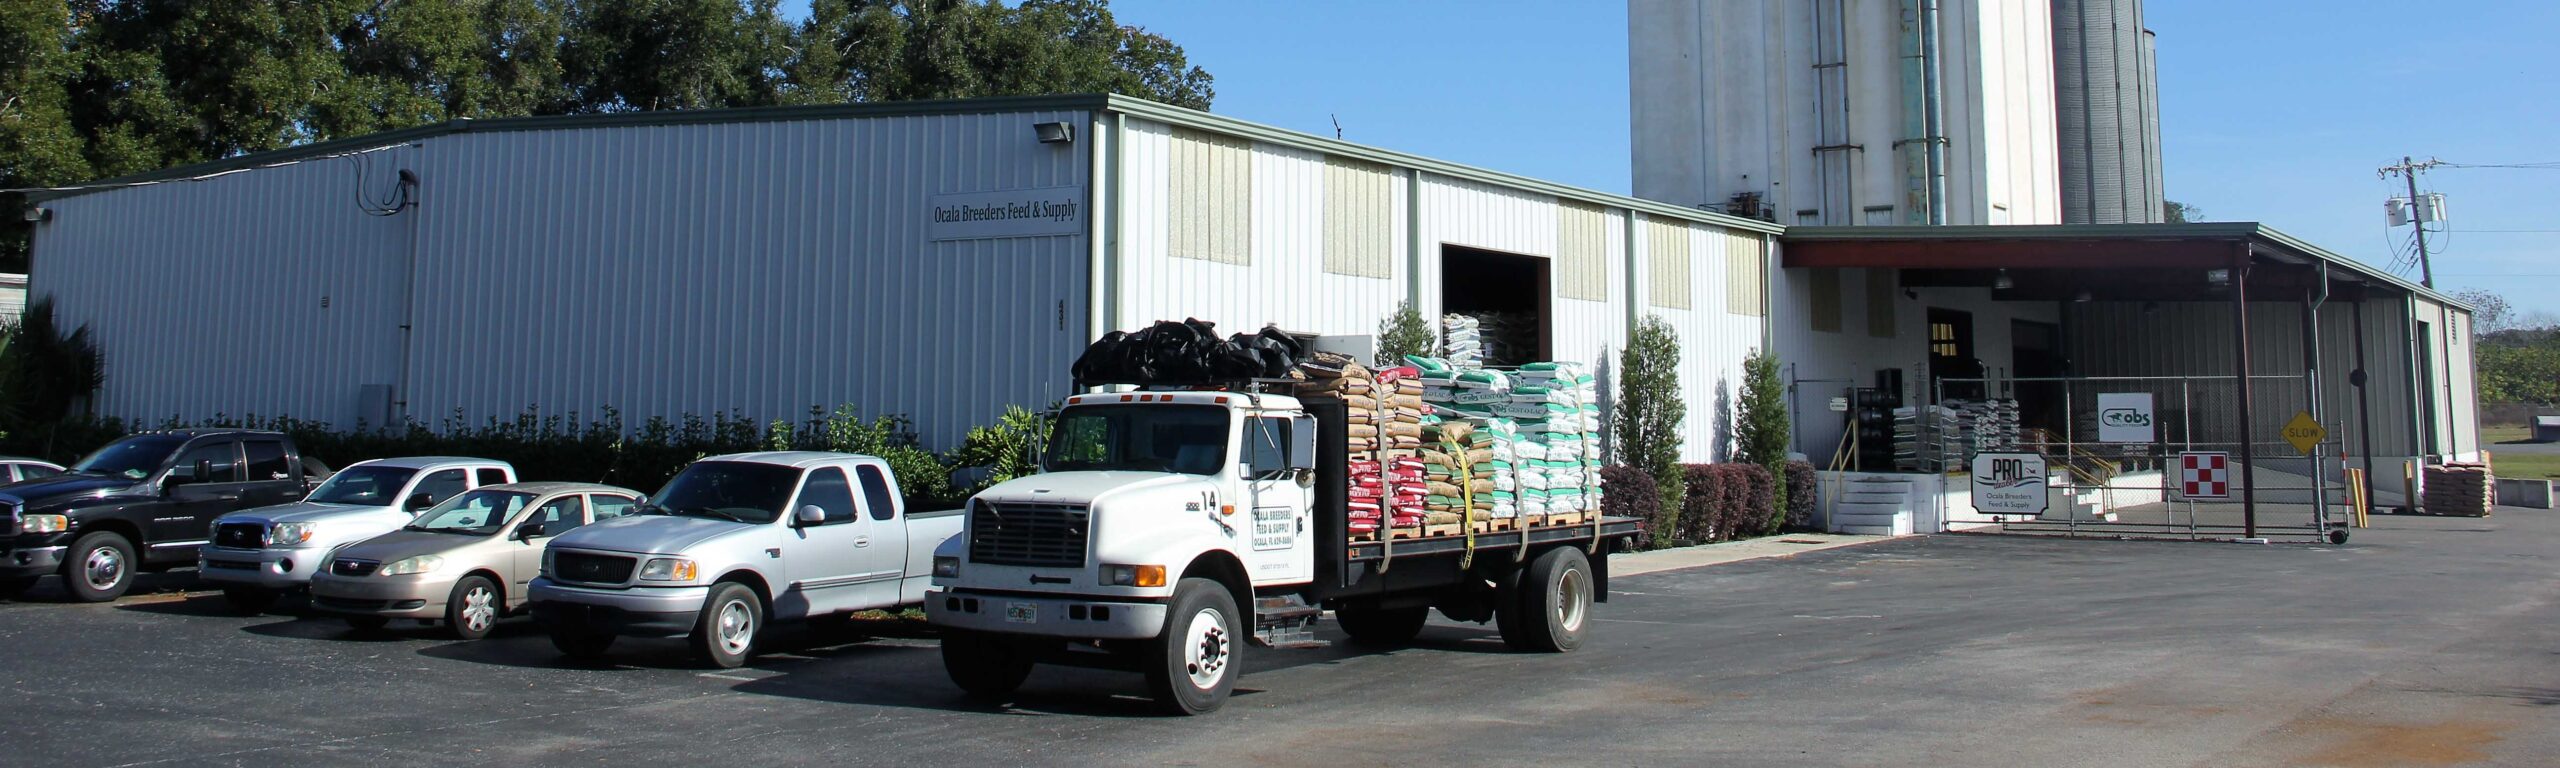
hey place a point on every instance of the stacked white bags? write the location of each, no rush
(1463, 337)
(1557, 408)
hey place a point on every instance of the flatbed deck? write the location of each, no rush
(1608, 528)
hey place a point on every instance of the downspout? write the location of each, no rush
(1102, 207)
(1915, 118)
(2418, 433)
(2363, 380)
(1934, 104)
(408, 307)
(1413, 239)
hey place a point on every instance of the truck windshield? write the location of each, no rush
(478, 513)
(727, 490)
(132, 458)
(368, 486)
(1190, 439)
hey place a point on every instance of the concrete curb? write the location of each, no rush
(1786, 545)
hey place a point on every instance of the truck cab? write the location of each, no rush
(1150, 504)
(257, 554)
(144, 502)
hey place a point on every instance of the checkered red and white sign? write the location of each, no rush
(2205, 475)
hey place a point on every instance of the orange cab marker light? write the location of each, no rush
(1150, 576)
(1125, 398)
(1222, 401)
(1227, 510)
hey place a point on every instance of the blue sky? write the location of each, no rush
(2272, 110)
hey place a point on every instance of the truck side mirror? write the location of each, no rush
(419, 502)
(1302, 444)
(183, 474)
(809, 515)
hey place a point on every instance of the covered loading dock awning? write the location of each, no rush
(2240, 265)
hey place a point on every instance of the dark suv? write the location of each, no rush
(145, 502)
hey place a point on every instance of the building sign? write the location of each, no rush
(2125, 417)
(1007, 213)
(2009, 483)
(2304, 432)
(2204, 475)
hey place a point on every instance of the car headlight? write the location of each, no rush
(667, 569)
(44, 523)
(290, 534)
(419, 564)
(946, 566)
(1133, 575)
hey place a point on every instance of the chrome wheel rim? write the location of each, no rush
(479, 609)
(735, 627)
(1573, 598)
(1206, 649)
(103, 568)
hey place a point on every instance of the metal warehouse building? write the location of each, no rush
(936, 259)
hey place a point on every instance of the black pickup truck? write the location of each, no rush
(144, 502)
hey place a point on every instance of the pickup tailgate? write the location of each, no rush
(926, 531)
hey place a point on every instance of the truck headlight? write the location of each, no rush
(946, 566)
(44, 523)
(667, 569)
(419, 564)
(290, 534)
(1133, 575)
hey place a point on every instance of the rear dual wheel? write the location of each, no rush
(1549, 609)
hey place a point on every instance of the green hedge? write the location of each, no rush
(569, 446)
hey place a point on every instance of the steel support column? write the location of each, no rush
(2248, 436)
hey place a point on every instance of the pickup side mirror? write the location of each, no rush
(809, 515)
(530, 530)
(419, 502)
(183, 474)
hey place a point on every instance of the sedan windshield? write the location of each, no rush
(132, 458)
(371, 486)
(727, 490)
(478, 513)
(1190, 439)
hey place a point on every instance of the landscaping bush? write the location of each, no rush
(1701, 511)
(1629, 492)
(1754, 496)
(1760, 431)
(1802, 488)
(1725, 502)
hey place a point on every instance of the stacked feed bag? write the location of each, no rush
(1468, 465)
(1556, 406)
(1332, 375)
(1368, 499)
(1400, 409)
(1463, 337)
(2468, 490)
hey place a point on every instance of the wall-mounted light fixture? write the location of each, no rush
(2000, 281)
(37, 214)
(1054, 132)
(2217, 277)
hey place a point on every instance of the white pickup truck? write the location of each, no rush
(733, 542)
(257, 554)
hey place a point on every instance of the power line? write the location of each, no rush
(2549, 166)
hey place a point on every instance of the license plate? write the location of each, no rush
(1022, 613)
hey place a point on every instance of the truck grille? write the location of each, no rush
(587, 568)
(1019, 533)
(354, 567)
(240, 535)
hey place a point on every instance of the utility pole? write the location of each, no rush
(2409, 169)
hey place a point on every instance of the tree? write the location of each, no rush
(1649, 413)
(892, 50)
(46, 372)
(2489, 311)
(1003, 449)
(1404, 333)
(2174, 212)
(640, 55)
(1760, 427)
(38, 146)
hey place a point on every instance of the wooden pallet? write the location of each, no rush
(1559, 519)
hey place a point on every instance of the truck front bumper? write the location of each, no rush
(268, 568)
(30, 561)
(637, 611)
(1064, 616)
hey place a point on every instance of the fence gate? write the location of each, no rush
(2131, 456)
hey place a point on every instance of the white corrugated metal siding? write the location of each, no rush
(208, 297)
(762, 268)
(2194, 339)
(1715, 334)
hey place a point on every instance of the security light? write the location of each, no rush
(2217, 277)
(37, 214)
(1054, 132)
(2000, 281)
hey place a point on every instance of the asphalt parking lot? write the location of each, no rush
(2426, 641)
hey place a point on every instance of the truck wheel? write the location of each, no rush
(1553, 608)
(1191, 667)
(725, 634)
(1377, 627)
(99, 569)
(11, 588)
(249, 601)
(473, 608)
(575, 640)
(987, 667)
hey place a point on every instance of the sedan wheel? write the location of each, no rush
(473, 608)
